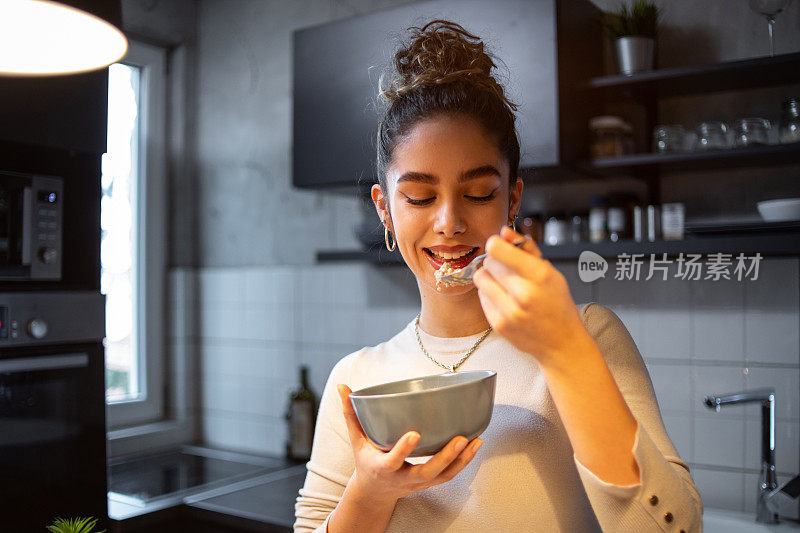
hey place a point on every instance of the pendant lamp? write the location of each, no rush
(42, 37)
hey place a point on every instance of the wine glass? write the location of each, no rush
(770, 9)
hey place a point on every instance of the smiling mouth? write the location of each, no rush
(456, 263)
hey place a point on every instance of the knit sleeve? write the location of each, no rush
(665, 499)
(331, 463)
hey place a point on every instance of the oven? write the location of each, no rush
(52, 408)
(30, 226)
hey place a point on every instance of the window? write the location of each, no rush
(132, 247)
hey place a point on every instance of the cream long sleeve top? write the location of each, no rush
(525, 477)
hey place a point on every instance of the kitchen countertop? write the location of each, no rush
(267, 499)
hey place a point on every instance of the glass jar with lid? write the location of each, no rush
(789, 131)
(611, 136)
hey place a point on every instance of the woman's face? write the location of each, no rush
(448, 192)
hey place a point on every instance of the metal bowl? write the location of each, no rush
(438, 407)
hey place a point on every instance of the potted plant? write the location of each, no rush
(73, 525)
(634, 28)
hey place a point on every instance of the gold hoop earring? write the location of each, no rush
(393, 247)
(513, 224)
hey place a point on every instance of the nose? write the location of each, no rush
(449, 220)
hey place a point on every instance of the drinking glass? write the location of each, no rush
(770, 9)
(751, 131)
(668, 138)
(712, 136)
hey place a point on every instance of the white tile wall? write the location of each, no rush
(253, 328)
(722, 489)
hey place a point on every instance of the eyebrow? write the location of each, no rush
(485, 170)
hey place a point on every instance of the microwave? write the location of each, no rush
(31, 213)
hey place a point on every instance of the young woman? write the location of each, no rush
(576, 442)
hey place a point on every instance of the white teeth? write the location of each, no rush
(447, 255)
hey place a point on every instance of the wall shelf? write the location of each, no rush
(769, 155)
(697, 79)
(767, 244)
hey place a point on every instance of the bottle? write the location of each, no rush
(302, 414)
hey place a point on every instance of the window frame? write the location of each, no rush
(149, 287)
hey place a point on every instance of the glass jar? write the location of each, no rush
(611, 136)
(712, 136)
(668, 138)
(789, 131)
(752, 132)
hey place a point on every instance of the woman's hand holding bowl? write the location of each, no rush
(527, 300)
(386, 476)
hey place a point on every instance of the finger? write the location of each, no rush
(354, 428)
(396, 457)
(520, 288)
(460, 462)
(514, 237)
(522, 262)
(502, 302)
(430, 470)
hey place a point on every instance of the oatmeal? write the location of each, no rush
(445, 269)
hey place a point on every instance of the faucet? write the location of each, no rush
(768, 482)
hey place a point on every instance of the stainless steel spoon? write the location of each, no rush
(463, 276)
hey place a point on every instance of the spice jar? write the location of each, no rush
(597, 219)
(578, 227)
(612, 136)
(617, 229)
(533, 227)
(672, 221)
(555, 229)
(789, 131)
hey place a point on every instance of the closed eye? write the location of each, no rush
(423, 201)
(482, 198)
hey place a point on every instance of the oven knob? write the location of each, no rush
(37, 328)
(48, 255)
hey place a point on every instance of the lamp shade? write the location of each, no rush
(41, 37)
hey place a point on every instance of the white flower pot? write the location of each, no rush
(635, 54)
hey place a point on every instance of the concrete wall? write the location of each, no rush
(264, 307)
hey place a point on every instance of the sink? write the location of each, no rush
(723, 521)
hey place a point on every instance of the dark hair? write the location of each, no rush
(443, 71)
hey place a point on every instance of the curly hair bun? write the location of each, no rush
(442, 52)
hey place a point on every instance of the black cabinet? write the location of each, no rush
(68, 112)
(551, 48)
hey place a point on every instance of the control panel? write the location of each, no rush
(51, 317)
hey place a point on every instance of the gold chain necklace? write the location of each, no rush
(454, 367)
